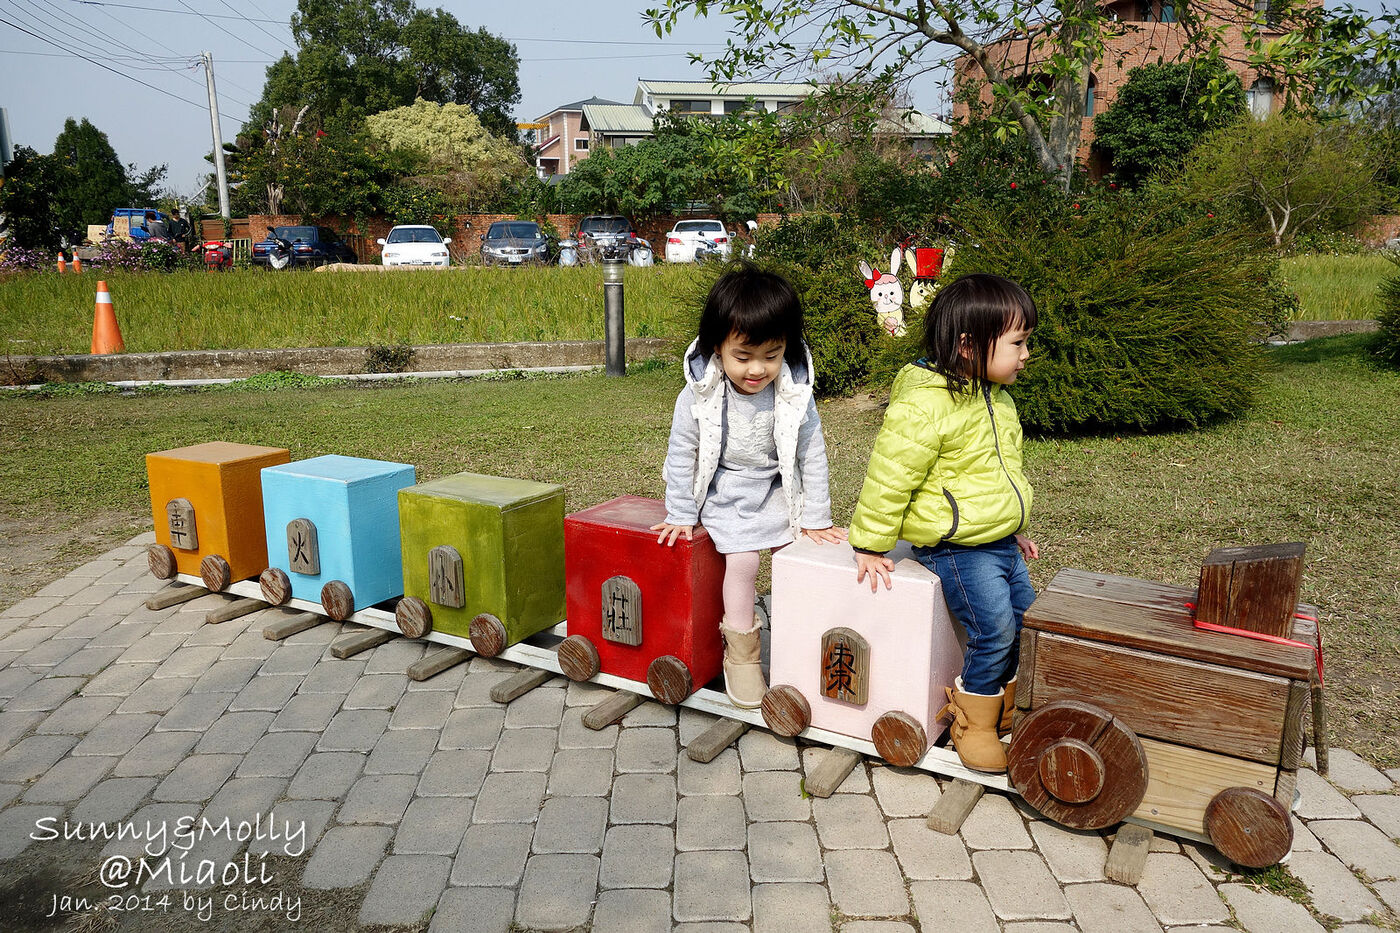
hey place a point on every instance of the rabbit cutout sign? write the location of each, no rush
(886, 294)
(926, 262)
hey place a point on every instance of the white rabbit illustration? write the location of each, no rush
(887, 294)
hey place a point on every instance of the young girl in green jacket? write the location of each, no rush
(946, 476)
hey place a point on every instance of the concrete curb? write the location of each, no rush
(1298, 331)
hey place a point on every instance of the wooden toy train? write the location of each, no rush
(1176, 709)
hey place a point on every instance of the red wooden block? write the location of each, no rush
(679, 587)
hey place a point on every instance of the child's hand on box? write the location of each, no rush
(675, 531)
(831, 535)
(878, 566)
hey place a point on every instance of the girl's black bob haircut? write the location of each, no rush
(758, 306)
(965, 320)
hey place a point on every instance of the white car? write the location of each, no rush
(688, 235)
(415, 245)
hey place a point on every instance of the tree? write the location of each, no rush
(92, 180)
(1162, 112)
(1288, 175)
(26, 199)
(1042, 90)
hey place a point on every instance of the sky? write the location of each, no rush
(131, 66)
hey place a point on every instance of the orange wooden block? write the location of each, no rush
(206, 501)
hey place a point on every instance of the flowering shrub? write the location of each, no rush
(148, 256)
(24, 259)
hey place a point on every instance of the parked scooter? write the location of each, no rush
(568, 252)
(217, 255)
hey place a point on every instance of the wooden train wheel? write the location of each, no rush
(669, 679)
(578, 658)
(488, 635)
(215, 572)
(275, 585)
(1078, 765)
(414, 617)
(1249, 827)
(899, 739)
(338, 600)
(786, 710)
(161, 560)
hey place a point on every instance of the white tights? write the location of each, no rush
(740, 573)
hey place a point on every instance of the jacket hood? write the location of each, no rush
(703, 373)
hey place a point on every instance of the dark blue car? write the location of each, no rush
(302, 245)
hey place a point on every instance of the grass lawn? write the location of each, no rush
(1313, 462)
(1338, 288)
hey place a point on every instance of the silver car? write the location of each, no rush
(513, 242)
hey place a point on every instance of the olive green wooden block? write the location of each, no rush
(510, 535)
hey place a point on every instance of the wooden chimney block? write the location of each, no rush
(207, 501)
(857, 655)
(346, 508)
(474, 544)
(1252, 588)
(637, 601)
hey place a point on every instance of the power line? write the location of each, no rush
(226, 32)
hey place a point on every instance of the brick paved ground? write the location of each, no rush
(427, 806)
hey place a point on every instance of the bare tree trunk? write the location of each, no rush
(1071, 88)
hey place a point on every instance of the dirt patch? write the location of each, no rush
(33, 556)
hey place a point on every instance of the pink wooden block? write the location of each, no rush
(916, 649)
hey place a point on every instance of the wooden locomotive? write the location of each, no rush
(207, 503)
(638, 609)
(1130, 706)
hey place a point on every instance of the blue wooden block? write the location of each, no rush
(351, 505)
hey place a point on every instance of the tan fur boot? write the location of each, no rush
(974, 728)
(743, 674)
(1008, 705)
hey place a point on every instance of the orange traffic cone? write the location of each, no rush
(62, 266)
(77, 263)
(106, 335)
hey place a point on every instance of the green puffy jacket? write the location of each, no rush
(943, 468)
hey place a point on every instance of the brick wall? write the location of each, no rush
(1379, 228)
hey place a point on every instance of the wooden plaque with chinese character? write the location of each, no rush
(179, 517)
(446, 584)
(622, 611)
(845, 665)
(302, 552)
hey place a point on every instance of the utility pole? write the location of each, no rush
(224, 210)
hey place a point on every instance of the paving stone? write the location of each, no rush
(850, 821)
(1335, 890)
(1211, 863)
(1261, 912)
(243, 800)
(1178, 893)
(47, 694)
(78, 716)
(711, 886)
(14, 726)
(476, 688)
(1320, 800)
(448, 681)
(278, 754)
(152, 647)
(775, 795)
(21, 640)
(123, 635)
(637, 856)
(571, 824)
(307, 712)
(32, 606)
(644, 798)
(713, 927)
(14, 680)
(406, 889)
(903, 791)
(493, 854)
(292, 659)
(1046, 926)
(119, 680)
(1361, 846)
(461, 773)
(188, 662)
(557, 893)
(951, 905)
(690, 723)
(760, 750)
(18, 823)
(1073, 855)
(234, 732)
(64, 587)
(294, 828)
(9, 793)
(69, 780)
(112, 800)
(156, 696)
(346, 856)
(474, 910)
(333, 676)
(857, 782)
(1389, 892)
(585, 693)
(581, 772)
(632, 912)
(424, 709)
(378, 798)
(354, 731)
(646, 750)
(719, 776)
(269, 692)
(475, 727)
(327, 775)
(91, 625)
(197, 777)
(49, 654)
(784, 852)
(1303, 839)
(524, 749)
(1351, 772)
(1019, 886)
(1383, 810)
(543, 706)
(59, 616)
(508, 798)
(710, 823)
(790, 908)
(87, 662)
(156, 754)
(194, 712)
(650, 713)
(157, 828)
(433, 826)
(866, 883)
(376, 691)
(574, 734)
(892, 926)
(1109, 908)
(926, 855)
(402, 751)
(394, 657)
(250, 643)
(995, 824)
(29, 758)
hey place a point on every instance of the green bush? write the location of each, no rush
(1388, 340)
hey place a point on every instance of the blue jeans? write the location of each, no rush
(988, 591)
